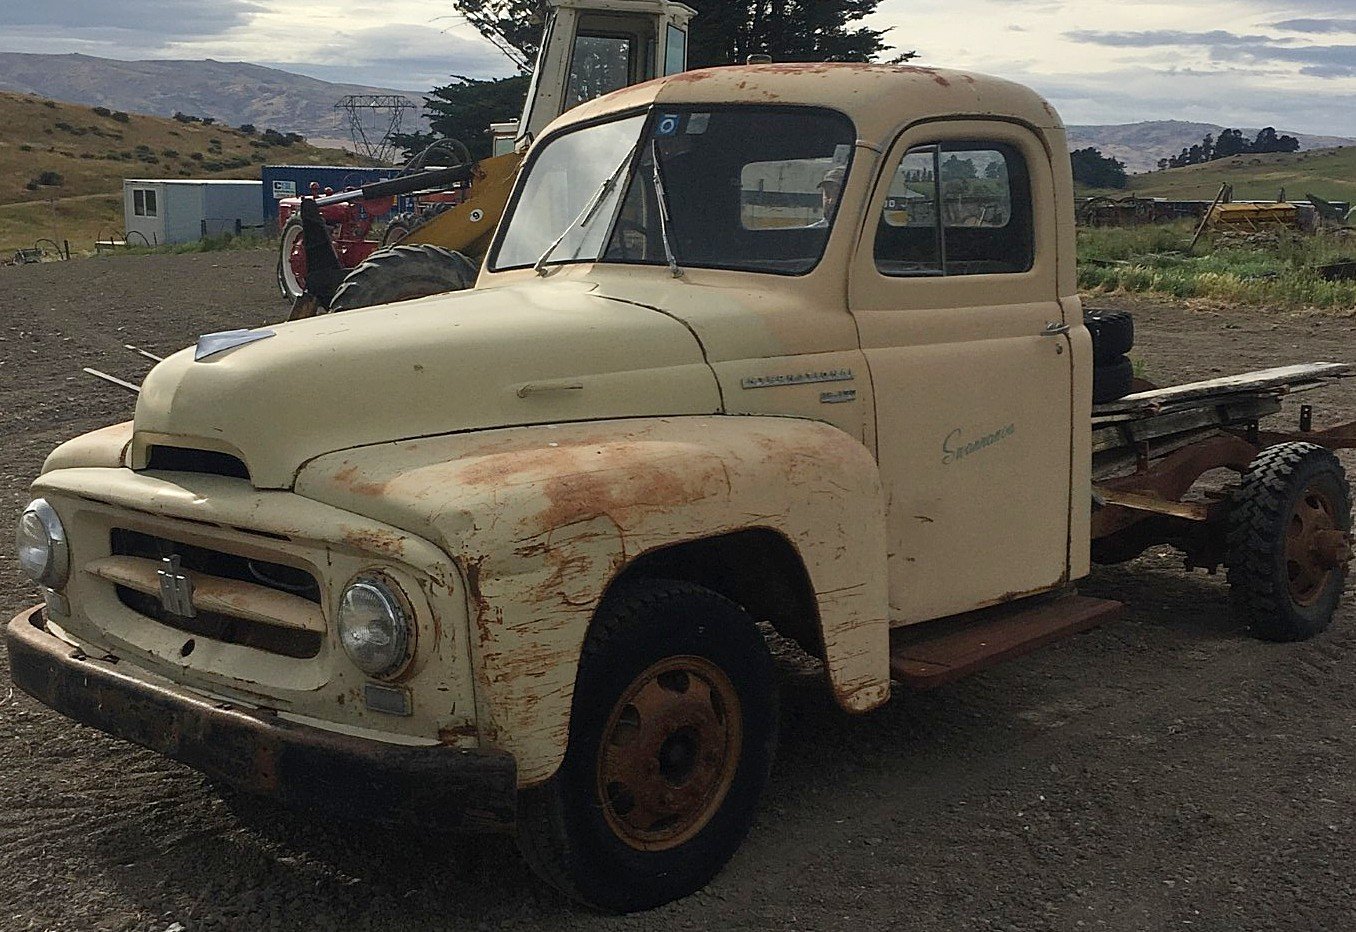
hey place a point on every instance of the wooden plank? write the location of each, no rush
(1283, 378)
(1231, 412)
(940, 652)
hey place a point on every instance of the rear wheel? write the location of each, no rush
(672, 734)
(1289, 541)
(401, 273)
(291, 254)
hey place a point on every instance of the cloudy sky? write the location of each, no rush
(1239, 62)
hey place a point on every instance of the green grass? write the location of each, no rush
(1153, 260)
(1328, 173)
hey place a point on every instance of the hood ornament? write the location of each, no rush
(209, 344)
(176, 588)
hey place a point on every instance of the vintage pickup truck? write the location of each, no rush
(780, 347)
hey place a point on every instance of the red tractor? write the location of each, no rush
(350, 216)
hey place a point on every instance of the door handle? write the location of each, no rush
(1055, 329)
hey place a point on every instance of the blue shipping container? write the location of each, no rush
(282, 181)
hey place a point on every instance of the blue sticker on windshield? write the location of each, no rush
(668, 125)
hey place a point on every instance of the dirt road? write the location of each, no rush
(1163, 772)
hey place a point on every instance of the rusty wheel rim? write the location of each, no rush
(669, 753)
(1316, 547)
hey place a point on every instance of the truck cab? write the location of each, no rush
(794, 344)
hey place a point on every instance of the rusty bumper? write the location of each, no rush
(300, 766)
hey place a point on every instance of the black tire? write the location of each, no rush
(1113, 334)
(402, 273)
(1280, 580)
(576, 839)
(1112, 380)
(289, 283)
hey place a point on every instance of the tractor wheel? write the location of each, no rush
(672, 733)
(289, 282)
(401, 273)
(1289, 541)
(400, 227)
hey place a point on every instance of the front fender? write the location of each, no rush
(541, 519)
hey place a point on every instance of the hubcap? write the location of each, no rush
(669, 753)
(1315, 547)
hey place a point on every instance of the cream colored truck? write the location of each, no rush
(796, 344)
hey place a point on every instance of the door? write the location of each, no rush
(955, 294)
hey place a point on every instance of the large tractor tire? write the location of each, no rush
(1289, 541)
(289, 282)
(672, 734)
(401, 273)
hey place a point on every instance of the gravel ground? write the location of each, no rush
(1164, 771)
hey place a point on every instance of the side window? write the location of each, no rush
(675, 55)
(958, 210)
(143, 202)
(601, 65)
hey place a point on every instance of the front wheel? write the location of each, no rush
(672, 734)
(291, 256)
(402, 273)
(1290, 541)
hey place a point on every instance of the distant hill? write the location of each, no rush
(1141, 145)
(231, 92)
(88, 154)
(1328, 173)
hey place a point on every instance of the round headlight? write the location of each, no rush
(374, 625)
(43, 553)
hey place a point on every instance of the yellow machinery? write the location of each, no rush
(589, 48)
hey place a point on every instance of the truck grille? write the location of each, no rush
(238, 600)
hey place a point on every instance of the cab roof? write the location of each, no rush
(878, 98)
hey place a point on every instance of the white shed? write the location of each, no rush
(184, 210)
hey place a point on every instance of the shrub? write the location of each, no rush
(25, 148)
(248, 129)
(49, 179)
(122, 117)
(102, 111)
(32, 186)
(208, 121)
(170, 153)
(184, 117)
(49, 104)
(196, 156)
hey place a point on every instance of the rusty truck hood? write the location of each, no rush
(536, 353)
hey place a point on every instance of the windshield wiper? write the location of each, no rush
(586, 215)
(662, 196)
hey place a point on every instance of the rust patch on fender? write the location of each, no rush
(376, 540)
(348, 478)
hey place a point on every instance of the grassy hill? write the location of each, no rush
(89, 154)
(1328, 173)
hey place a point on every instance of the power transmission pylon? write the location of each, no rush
(373, 119)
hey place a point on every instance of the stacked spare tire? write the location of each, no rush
(1113, 336)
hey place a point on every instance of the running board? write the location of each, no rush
(940, 652)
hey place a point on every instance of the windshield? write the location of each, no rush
(747, 188)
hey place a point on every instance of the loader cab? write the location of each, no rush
(594, 47)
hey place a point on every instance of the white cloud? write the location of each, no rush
(1287, 62)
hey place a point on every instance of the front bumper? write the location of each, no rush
(302, 767)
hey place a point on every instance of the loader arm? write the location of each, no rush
(468, 227)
